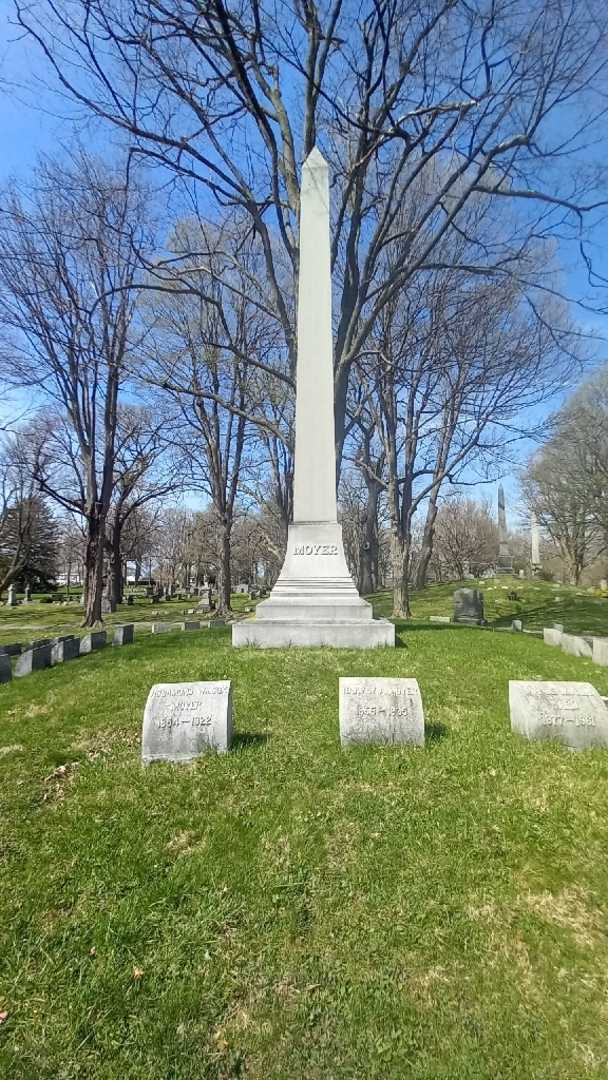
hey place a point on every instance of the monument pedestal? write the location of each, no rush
(314, 601)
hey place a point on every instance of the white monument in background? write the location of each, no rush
(315, 601)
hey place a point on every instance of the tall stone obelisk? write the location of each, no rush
(314, 601)
(505, 562)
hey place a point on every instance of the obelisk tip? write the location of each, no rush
(315, 160)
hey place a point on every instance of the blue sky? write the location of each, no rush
(27, 130)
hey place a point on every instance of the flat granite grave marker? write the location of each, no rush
(33, 660)
(93, 641)
(164, 627)
(184, 720)
(191, 625)
(384, 711)
(66, 648)
(124, 635)
(600, 651)
(571, 713)
(6, 672)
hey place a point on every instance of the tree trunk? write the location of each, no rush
(400, 557)
(224, 577)
(115, 589)
(368, 555)
(428, 538)
(93, 570)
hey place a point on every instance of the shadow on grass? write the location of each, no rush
(435, 732)
(249, 738)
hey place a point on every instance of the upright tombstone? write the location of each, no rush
(384, 711)
(577, 645)
(505, 562)
(571, 713)
(124, 635)
(552, 635)
(27, 594)
(184, 720)
(90, 642)
(11, 598)
(315, 601)
(6, 671)
(600, 651)
(64, 648)
(468, 607)
(33, 660)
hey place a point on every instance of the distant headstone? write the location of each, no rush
(384, 711)
(163, 627)
(572, 713)
(468, 606)
(90, 642)
(14, 648)
(439, 618)
(27, 596)
(106, 606)
(124, 635)
(130, 601)
(576, 645)
(517, 625)
(552, 636)
(6, 672)
(33, 660)
(600, 651)
(67, 648)
(184, 720)
(522, 573)
(191, 626)
(12, 596)
(603, 584)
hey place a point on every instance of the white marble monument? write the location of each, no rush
(315, 601)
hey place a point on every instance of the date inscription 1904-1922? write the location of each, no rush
(315, 549)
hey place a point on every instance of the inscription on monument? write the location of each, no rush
(385, 711)
(184, 720)
(315, 549)
(572, 713)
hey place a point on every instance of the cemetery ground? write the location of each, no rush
(291, 909)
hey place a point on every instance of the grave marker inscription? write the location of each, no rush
(385, 711)
(571, 713)
(184, 720)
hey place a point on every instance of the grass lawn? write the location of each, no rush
(291, 910)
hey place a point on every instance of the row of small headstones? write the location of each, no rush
(46, 652)
(184, 720)
(586, 645)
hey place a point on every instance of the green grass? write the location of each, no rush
(539, 604)
(291, 910)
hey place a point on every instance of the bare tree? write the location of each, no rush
(466, 538)
(566, 483)
(70, 251)
(454, 371)
(432, 105)
(28, 535)
(144, 472)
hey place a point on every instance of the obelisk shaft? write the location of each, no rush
(315, 454)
